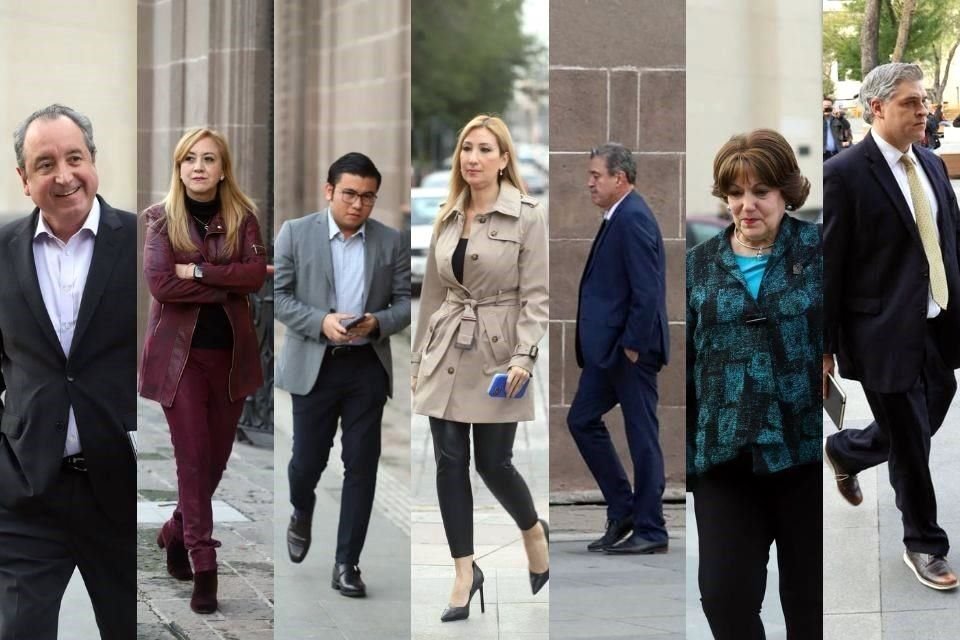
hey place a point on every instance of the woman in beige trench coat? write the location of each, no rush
(483, 310)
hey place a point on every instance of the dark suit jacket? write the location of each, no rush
(98, 378)
(876, 277)
(622, 301)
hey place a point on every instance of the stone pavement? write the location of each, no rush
(598, 596)
(868, 592)
(245, 559)
(511, 611)
(307, 607)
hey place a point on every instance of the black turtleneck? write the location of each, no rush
(213, 327)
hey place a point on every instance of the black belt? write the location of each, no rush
(76, 462)
(340, 350)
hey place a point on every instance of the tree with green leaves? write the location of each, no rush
(466, 56)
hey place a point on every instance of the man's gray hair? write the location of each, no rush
(618, 158)
(882, 82)
(53, 112)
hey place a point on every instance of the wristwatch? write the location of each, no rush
(197, 272)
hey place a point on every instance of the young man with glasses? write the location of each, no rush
(342, 288)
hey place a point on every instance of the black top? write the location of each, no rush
(213, 327)
(458, 256)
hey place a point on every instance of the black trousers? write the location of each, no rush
(351, 389)
(39, 551)
(493, 447)
(900, 435)
(739, 515)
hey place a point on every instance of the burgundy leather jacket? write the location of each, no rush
(176, 304)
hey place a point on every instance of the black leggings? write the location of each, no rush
(493, 446)
(739, 515)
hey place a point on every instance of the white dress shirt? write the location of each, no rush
(892, 155)
(62, 269)
(609, 212)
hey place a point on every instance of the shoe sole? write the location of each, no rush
(829, 460)
(925, 582)
(349, 594)
(616, 552)
(605, 547)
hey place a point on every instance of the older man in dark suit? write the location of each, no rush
(892, 305)
(68, 355)
(622, 342)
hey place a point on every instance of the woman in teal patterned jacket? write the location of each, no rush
(754, 342)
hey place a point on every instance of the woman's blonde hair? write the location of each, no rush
(234, 203)
(459, 186)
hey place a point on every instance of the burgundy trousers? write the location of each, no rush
(203, 425)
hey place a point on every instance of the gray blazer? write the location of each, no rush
(304, 293)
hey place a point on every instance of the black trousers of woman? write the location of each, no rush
(493, 447)
(739, 515)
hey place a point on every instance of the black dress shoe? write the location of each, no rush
(932, 571)
(637, 544)
(847, 483)
(346, 580)
(452, 614)
(616, 529)
(298, 535)
(537, 580)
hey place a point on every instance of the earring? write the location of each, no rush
(221, 178)
(500, 173)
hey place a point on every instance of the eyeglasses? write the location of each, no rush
(350, 196)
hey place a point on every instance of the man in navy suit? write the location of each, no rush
(622, 342)
(892, 305)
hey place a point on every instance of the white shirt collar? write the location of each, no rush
(609, 212)
(92, 222)
(891, 154)
(334, 230)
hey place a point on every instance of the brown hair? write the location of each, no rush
(235, 205)
(769, 156)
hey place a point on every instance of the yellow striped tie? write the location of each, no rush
(928, 234)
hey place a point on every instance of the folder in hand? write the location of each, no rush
(836, 401)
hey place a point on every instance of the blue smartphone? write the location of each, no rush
(498, 387)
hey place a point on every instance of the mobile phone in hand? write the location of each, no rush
(498, 387)
(350, 323)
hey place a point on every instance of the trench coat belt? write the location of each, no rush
(466, 334)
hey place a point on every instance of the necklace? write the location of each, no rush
(759, 250)
(201, 222)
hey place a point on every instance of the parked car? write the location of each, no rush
(534, 179)
(436, 180)
(424, 205)
(702, 228)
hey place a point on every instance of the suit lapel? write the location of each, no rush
(323, 250)
(371, 244)
(106, 248)
(621, 210)
(21, 250)
(934, 174)
(881, 171)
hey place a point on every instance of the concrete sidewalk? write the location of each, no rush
(598, 596)
(307, 607)
(243, 522)
(511, 611)
(868, 591)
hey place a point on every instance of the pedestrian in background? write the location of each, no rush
(203, 255)
(483, 311)
(832, 131)
(754, 328)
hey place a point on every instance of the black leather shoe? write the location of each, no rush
(616, 530)
(346, 580)
(537, 580)
(298, 535)
(451, 613)
(847, 483)
(932, 571)
(638, 545)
